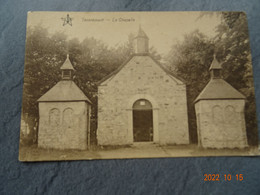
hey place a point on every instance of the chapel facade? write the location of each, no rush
(220, 113)
(142, 102)
(64, 114)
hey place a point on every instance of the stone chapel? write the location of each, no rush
(142, 102)
(64, 114)
(220, 113)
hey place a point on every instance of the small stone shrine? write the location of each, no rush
(220, 113)
(64, 114)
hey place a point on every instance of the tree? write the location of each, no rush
(42, 61)
(233, 49)
(190, 60)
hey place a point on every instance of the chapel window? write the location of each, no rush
(67, 118)
(54, 117)
(230, 114)
(217, 114)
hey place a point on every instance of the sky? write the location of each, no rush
(163, 28)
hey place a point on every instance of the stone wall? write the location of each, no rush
(142, 78)
(63, 125)
(221, 123)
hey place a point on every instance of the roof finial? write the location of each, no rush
(68, 55)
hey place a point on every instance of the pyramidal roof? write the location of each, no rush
(219, 89)
(67, 64)
(65, 90)
(215, 64)
(141, 33)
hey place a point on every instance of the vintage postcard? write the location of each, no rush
(112, 85)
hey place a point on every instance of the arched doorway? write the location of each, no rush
(142, 121)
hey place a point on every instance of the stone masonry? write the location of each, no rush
(142, 78)
(220, 113)
(221, 123)
(63, 125)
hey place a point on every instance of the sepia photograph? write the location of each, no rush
(120, 85)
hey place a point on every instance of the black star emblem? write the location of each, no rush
(67, 20)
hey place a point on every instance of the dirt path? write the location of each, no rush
(138, 150)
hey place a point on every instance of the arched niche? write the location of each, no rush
(54, 117)
(142, 121)
(151, 104)
(67, 120)
(217, 114)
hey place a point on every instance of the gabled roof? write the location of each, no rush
(123, 65)
(67, 64)
(219, 89)
(65, 90)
